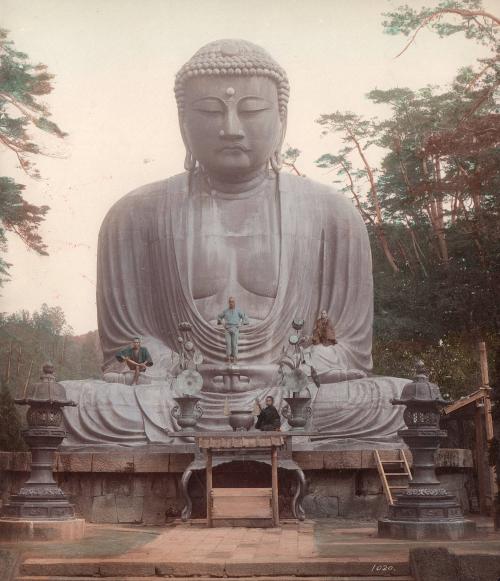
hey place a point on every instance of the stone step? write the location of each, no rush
(322, 568)
(196, 578)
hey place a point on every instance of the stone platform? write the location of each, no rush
(326, 550)
(143, 485)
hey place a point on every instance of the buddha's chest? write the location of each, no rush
(234, 244)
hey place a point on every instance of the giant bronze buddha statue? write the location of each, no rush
(234, 224)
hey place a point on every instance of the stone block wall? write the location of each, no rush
(109, 487)
(128, 487)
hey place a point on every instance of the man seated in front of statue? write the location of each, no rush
(136, 357)
(269, 418)
(324, 332)
(233, 317)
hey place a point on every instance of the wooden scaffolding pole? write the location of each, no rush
(209, 487)
(488, 418)
(274, 472)
(481, 459)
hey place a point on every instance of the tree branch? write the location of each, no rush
(369, 171)
(22, 162)
(463, 13)
(477, 77)
(16, 104)
(294, 168)
(477, 104)
(363, 213)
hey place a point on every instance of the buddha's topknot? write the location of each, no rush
(233, 57)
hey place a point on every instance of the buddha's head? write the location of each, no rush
(232, 99)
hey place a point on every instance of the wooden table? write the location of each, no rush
(214, 449)
(242, 503)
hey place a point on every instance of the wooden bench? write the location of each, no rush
(242, 506)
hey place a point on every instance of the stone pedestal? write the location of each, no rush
(425, 510)
(40, 498)
(425, 513)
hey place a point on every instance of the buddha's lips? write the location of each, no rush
(234, 148)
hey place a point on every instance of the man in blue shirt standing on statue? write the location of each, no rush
(232, 318)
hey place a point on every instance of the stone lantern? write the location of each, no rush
(425, 509)
(40, 499)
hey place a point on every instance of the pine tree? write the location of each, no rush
(22, 112)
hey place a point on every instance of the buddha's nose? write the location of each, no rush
(232, 128)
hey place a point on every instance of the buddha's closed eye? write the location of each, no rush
(253, 105)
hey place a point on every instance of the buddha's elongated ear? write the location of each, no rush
(276, 160)
(189, 160)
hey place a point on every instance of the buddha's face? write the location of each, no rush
(231, 124)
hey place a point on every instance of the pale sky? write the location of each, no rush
(115, 62)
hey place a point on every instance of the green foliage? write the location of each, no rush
(28, 340)
(19, 216)
(289, 158)
(445, 18)
(438, 193)
(21, 110)
(349, 125)
(20, 106)
(291, 155)
(452, 362)
(432, 207)
(10, 423)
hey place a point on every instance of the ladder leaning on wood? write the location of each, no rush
(396, 469)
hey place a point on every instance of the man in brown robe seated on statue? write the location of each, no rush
(324, 332)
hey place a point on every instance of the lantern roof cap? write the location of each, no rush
(47, 390)
(420, 389)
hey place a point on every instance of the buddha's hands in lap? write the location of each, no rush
(331, 364)
(338, 375)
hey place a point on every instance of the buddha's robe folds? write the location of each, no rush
(145, 248)
(145, 245)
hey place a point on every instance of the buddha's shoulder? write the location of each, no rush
(151, 194)
(148, 199)
(322, 197)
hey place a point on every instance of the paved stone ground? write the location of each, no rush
(315, 548)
